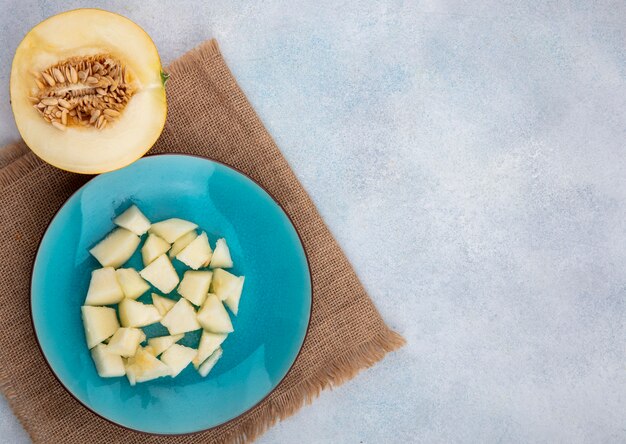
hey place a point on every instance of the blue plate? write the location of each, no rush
(273, 314)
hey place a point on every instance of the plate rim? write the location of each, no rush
(32, 277)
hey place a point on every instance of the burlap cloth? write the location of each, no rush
(208, 116)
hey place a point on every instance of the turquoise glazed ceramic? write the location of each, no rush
(273, 314)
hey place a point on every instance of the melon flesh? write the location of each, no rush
(177, 357)
(132, 284)
(221, 255)
(181, 318)
(115, 249)
(214, 317)
(209, 342)
(133, 220)
(153, 248)
(100, 323)
(161, 274)
(125, 341)
(228, 288)
(208, 365)
(104, 289)
(135, 314)
(195, 286)
(89, 33)
(197, 254)
(172, 229)
(181, 243)
(145, 367)
(159, 344)
(232, 301)
(162, 304)
(108, 365)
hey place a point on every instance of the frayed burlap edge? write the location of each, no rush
(336, 373)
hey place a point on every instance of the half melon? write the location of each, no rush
(87, 91)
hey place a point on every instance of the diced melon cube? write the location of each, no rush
(108, 365)
(181, 318)
(162, 303)
(161, 274)
(144, 367)
(125, 341)
(195, 286)
(116, 248)
(228, 288)
(177, 357)
(172, 229)
(152, 248)
(214, 317)
(133, 220)
(100, 323)
(197, 254)
(104, 289)
(209, 342)
(159, 344)
(208, 365)
(132, 284)
(181, 243)
(135, 314)
(221, 255)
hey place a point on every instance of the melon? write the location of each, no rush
(88, 91)
(177, 357)
(159, 344)
(208, 365)
(108, 365)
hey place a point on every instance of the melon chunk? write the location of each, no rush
(124, 80)
(172, 229)
(133, 220)
(100, 323)
(181, 243)
(161, 274)
(195, 286)
(221, 255)
(162, 304)
(132, 284)
(153, 248)
(214, 317)
(232, 301)
(177, 357)
(228, 288)
(159, 344)
(135, 314)
(125, 341)
(181, 318)
(108, 365)
(209, 342)
(144, 367)
(115, 249)
(197, 254)
(104, 289)
(208, 365)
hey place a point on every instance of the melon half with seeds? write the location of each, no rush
(87, 91)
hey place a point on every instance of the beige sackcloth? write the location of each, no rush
(208, 116)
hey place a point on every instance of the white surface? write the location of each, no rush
(470, 158)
